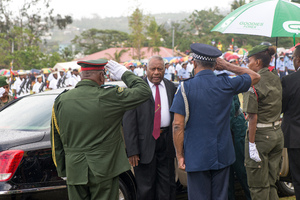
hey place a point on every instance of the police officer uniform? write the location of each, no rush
(208, 147)
(87, 144)
(264, 99)
(184, 73)
(280, 66)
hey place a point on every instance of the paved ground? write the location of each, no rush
(239, 196)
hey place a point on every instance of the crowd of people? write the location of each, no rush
(201, 124)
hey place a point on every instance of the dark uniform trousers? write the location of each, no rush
(294, 163)
(208, 185)
(238, 167)
(263, 175)
(156, 176)
(95, 190)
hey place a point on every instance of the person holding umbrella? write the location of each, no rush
(264, 138)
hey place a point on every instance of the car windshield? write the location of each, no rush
(29, 113)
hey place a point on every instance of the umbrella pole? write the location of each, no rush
(276, 44)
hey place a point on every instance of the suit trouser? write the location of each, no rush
(263, 175)
(156, 180)
(294, 154)
(208, 185)
(95, 190)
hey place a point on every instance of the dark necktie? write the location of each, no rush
(157, 114)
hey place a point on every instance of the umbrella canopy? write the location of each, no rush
(241, 51)
(271, 18)
(46, 70)
(226, 54)
(5, 72)
(294, 47)
(174, 60)
(232, 57)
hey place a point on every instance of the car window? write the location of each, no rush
(29, 113)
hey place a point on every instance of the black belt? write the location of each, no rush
(164, 129)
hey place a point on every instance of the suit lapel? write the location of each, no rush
(168, 92)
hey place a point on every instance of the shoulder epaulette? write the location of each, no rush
(62, 93)
(108, 86)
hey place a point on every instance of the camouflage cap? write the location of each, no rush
(3, 81)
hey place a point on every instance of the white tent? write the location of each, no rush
(66, 65)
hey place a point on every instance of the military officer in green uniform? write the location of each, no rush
(4, 91)
(87, 144)
(264, 139)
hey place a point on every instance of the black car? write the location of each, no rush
(27, 170)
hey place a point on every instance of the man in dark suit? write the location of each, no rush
(148, 137)
(291, 119)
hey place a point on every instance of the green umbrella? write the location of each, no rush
(271, 18)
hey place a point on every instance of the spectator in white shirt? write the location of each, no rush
(53, 82)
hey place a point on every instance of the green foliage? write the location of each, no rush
(94, 40)
(154, 36)
(117, 55)
(137, 25)
(21, 32)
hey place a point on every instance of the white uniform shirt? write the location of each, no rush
(50, 77)
(183, 73)
(280, 65)
(167, 74)
(74, 80)
(53, 84)
(17, 87)
(36, 87)
(190, 67)
(171, 69)
(139, 71)
(165, 110)
(290, 65)
(178, 68)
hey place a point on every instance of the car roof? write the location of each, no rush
(60, 90)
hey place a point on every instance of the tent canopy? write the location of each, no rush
(67, 65)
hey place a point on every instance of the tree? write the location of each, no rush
(137, 26)
(117, 55)
(94, 40)
(237, 3)
(23, 31)
(154, 36)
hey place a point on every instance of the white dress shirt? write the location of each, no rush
(53, 84)
(36, 87)
(165, 113)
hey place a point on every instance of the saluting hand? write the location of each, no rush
(134, 160)
(221, 64)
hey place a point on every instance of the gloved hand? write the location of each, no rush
(2, 90)
(116, 69)
(253, 152)
(64, 178)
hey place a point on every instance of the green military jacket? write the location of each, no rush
(86, 128)
(265, 98)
